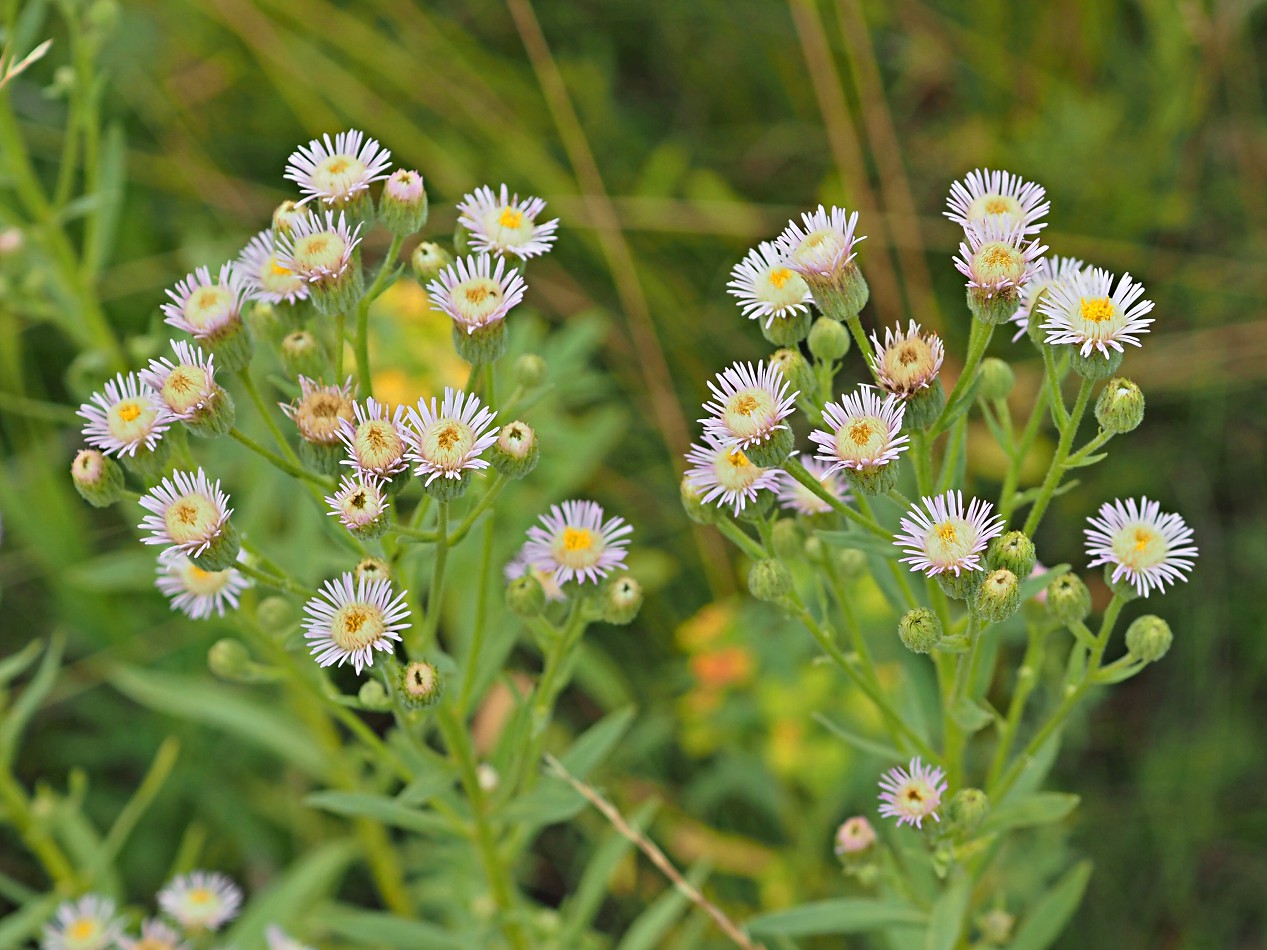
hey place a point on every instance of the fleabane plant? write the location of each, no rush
(870, 465)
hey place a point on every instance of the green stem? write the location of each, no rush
(340, 338)
(1051, 385)
(793, 467)
(279, 462)
(1026, 680)
(490, 496)
(280, 583)
(740, 539)
(19, 816)
(362, 319)
(922, 453)
(978, 340)
(481, 620)
(864, 345)
(248, 383)
(1011, 480)
(431, 620)
(1057, 469)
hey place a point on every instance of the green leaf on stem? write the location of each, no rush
(947, 918)
(846, 915)
(861, 743)
(290, 897)
(373, 927)
(1089, 460)
(649, 928)
(1040, 808)
(380, 808)
(1032, 585)
(970, 715)
(1042, 926)
(858, 541)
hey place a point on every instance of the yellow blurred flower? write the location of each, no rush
(412, 354)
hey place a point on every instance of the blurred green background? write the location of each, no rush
(669, 137)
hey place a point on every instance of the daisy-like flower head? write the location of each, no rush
(155, 935)
(986, 195)
(1147, 548)
(85, 924)
(265, 277)
(474, 293)
(862, 431)
(912, 794)
(348, 621)
(519, 565)
(574, 543)
(944, 537)
(189, 513)
(338, 171)
(318, 247)
(854, 836)
(378, 439)
(907, 362)
(127, 415)
(767, 287)
(795, 496)
(1086, 310)
(198, 593)
(186, 386)
(749, 404)
(996, 258)
(1047, 272)
(320, 411)
(501, 223)
(724, 476)
(206, 309)
(201, 900)
(359, 503)
(450, 439)
(824, 247)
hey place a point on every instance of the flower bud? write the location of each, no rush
(1122, 588)
(525, 596)
(481, 345)
(1013, 550)
(698, 510)
(269, 321)
(1120, 407)
(996, 924)
(428, 259)
(1148, 638)
(873, 480)
(516, 451)
(993, 308)
(402, 207)
(772, 451)
(787, 330)
(840, 295)
(960, 586)
(285, 215)
(851, 561)
(97, 477)
(924, 406)
(997, 379)
(999, 596)
(919, 630)
(420, 684)
(275, 614)
(796, 370)
(770, 580)
(530, 370)
(854, 837)
(229, 660)
(487, 778)
(103, 15)
(788, 538)
(373, 696)
(814, 549)
(828, 340)
(303, 355)
(1068, 599)
(1095, 365)
(622, 599)
(967, 809)
(371, 569)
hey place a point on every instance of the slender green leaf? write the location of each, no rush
(369, 928)
(649, 928)
(15, 928)
(945, 924)
(1042, 926)
(970, 715)
(1041, 808)
(846, 915)
(859, 541)
(861, 743)
(117, 572)
(1032, 585)
(290, 897)
(596, 742)
(380, 808)
(37, 689)
(11, 667)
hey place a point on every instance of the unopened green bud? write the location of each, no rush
(97, 477)
(814, 547)
(919, 630)
(996, 927)
(769, 579)
(873, 480)
(420, 684)
(1095, 365)
(516, 451)
(999, 596)
(275, 614)
(993, 308)
(622, 599)
(530, 370)
(789, 539)
(269, 321)
(924, 406)
(103, 15)
(796, 370)
(966, 809)
(525, 596)
(1068, 599)
(373, 696)
(372, 569)
(481, 345)
(303, 355)
(149, 464)
(997, 379)
(402, 207)
(1013, 550)
(852, 563)
(961, 586)
(1120, 407)
(1122, 587)
(1148, 638)
(828, 340)
(840, 294)
(428, 259)
(773, 450)
(229, 660)
(787, 330)
(285, 215)
(696, 508)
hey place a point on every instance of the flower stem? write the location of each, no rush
(431, 621)
(362, 320)
(793, 467)
(1057, 469)
(978, 340)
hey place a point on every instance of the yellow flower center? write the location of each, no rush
(1140, 547)
(511, 218)
(862, 440)
(476, 300)
(209, 308)
(318, 417)
(355, 626)
(184, 388)
(737, 459)
(191, 517)
(320, 253)
(780, 276)
(997, 261)
(1097, 309)
(338, 175)
(337, 165)
(378, 446)
(276, 269)
(447, 443)
(200, 895)
(129, 411)
(997, 204)
(82, 928)
(577, 539)
(203, 583)
(744, 405)
(860, 432)
(749, 412)
(947, 533)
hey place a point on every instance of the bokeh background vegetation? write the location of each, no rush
(669, 137)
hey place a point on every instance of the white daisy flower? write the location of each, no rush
(985, 195)
(576, 544)
(338, 171)
(723, 475)
(320, 411)
(749, 404)
(996, 259)
(1046, 273)
(1147, 548)
(348, 621)
(906, 362)
(796, 497)
(125, 417)
(360, 503)
(201, 900)
(503, 224)
(450, 438)
(824, 246)
(1085, 310)
(519, 565)
(186, 386)
(198, 593)
(206, 309)
(912, 794)
(862, 431)
(189, 513)
(85, 924)
(318, 248)
(767, 287)
(474, 293)
(265, 277)
(155, 935)
(378, 439)
(944, 538)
